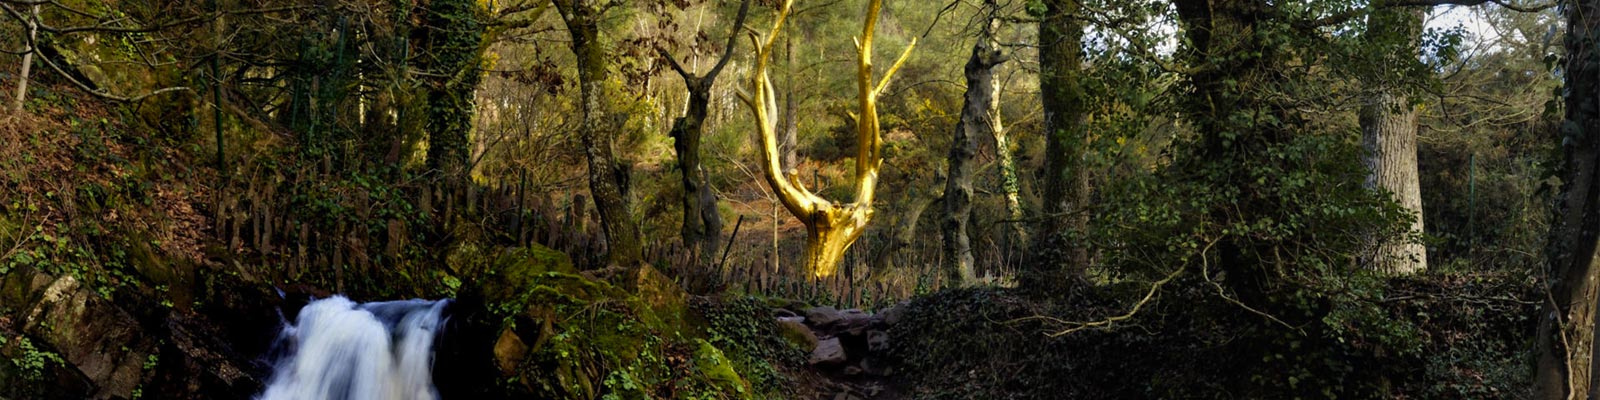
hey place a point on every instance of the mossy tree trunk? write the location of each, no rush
(454, 36)
(1566, 326)
(1066, 179)
(608, 180)
(702, 224)
(980, 115)
(831, 227)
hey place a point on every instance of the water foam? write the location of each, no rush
(340, 350)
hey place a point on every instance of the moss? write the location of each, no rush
(714, 367)
(631, 336)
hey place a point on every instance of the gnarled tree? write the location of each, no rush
(702, 226)
(980, 115)
(830, 227)
(607, 179)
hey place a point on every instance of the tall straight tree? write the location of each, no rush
(607, 179)
(1389, 129)
(830, 227)
(1566, 327)
(1066, 181)
(702, 225)
(980, 116)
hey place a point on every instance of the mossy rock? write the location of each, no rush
(718, 370)
(563, 334)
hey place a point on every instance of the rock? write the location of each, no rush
(798, 320)
(509, 350)
(785, 313)
(892, 315)
(852, 370)
(828, 352)
(852, 322)
(796, 332)
(710, 363)
(822, 316)
(877, 341)
(92, 335)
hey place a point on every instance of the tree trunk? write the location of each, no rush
(1389, 134)
(607, 178)
(1010, 186)
(789, 132)
(904, 232)
(27, 61)
(702, 225)
(1066, 179)
(1566, 325)
(978, 117)
(454, 37)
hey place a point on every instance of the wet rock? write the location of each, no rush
(828, 352)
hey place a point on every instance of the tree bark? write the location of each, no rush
(702, 225)
(1389, 134)
(1567, 322)
(979, 116)
(27, 61)
(608, 181)
(1066, 179)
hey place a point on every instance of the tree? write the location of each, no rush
(830, 227)
(1566, 325)
(27, 60)
(1066, 178)
(1389, 130)
(702, 225)
(608, 180)
(454, 41)
(980, 115)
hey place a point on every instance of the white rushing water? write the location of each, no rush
(340, 350)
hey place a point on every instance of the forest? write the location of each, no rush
(799, 199)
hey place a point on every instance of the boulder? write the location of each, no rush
(852, 322)
(822, 316)
(828, 352)
(91, 335)
(796, 332)
(892, 315)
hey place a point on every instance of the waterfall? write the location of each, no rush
(340, 350)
